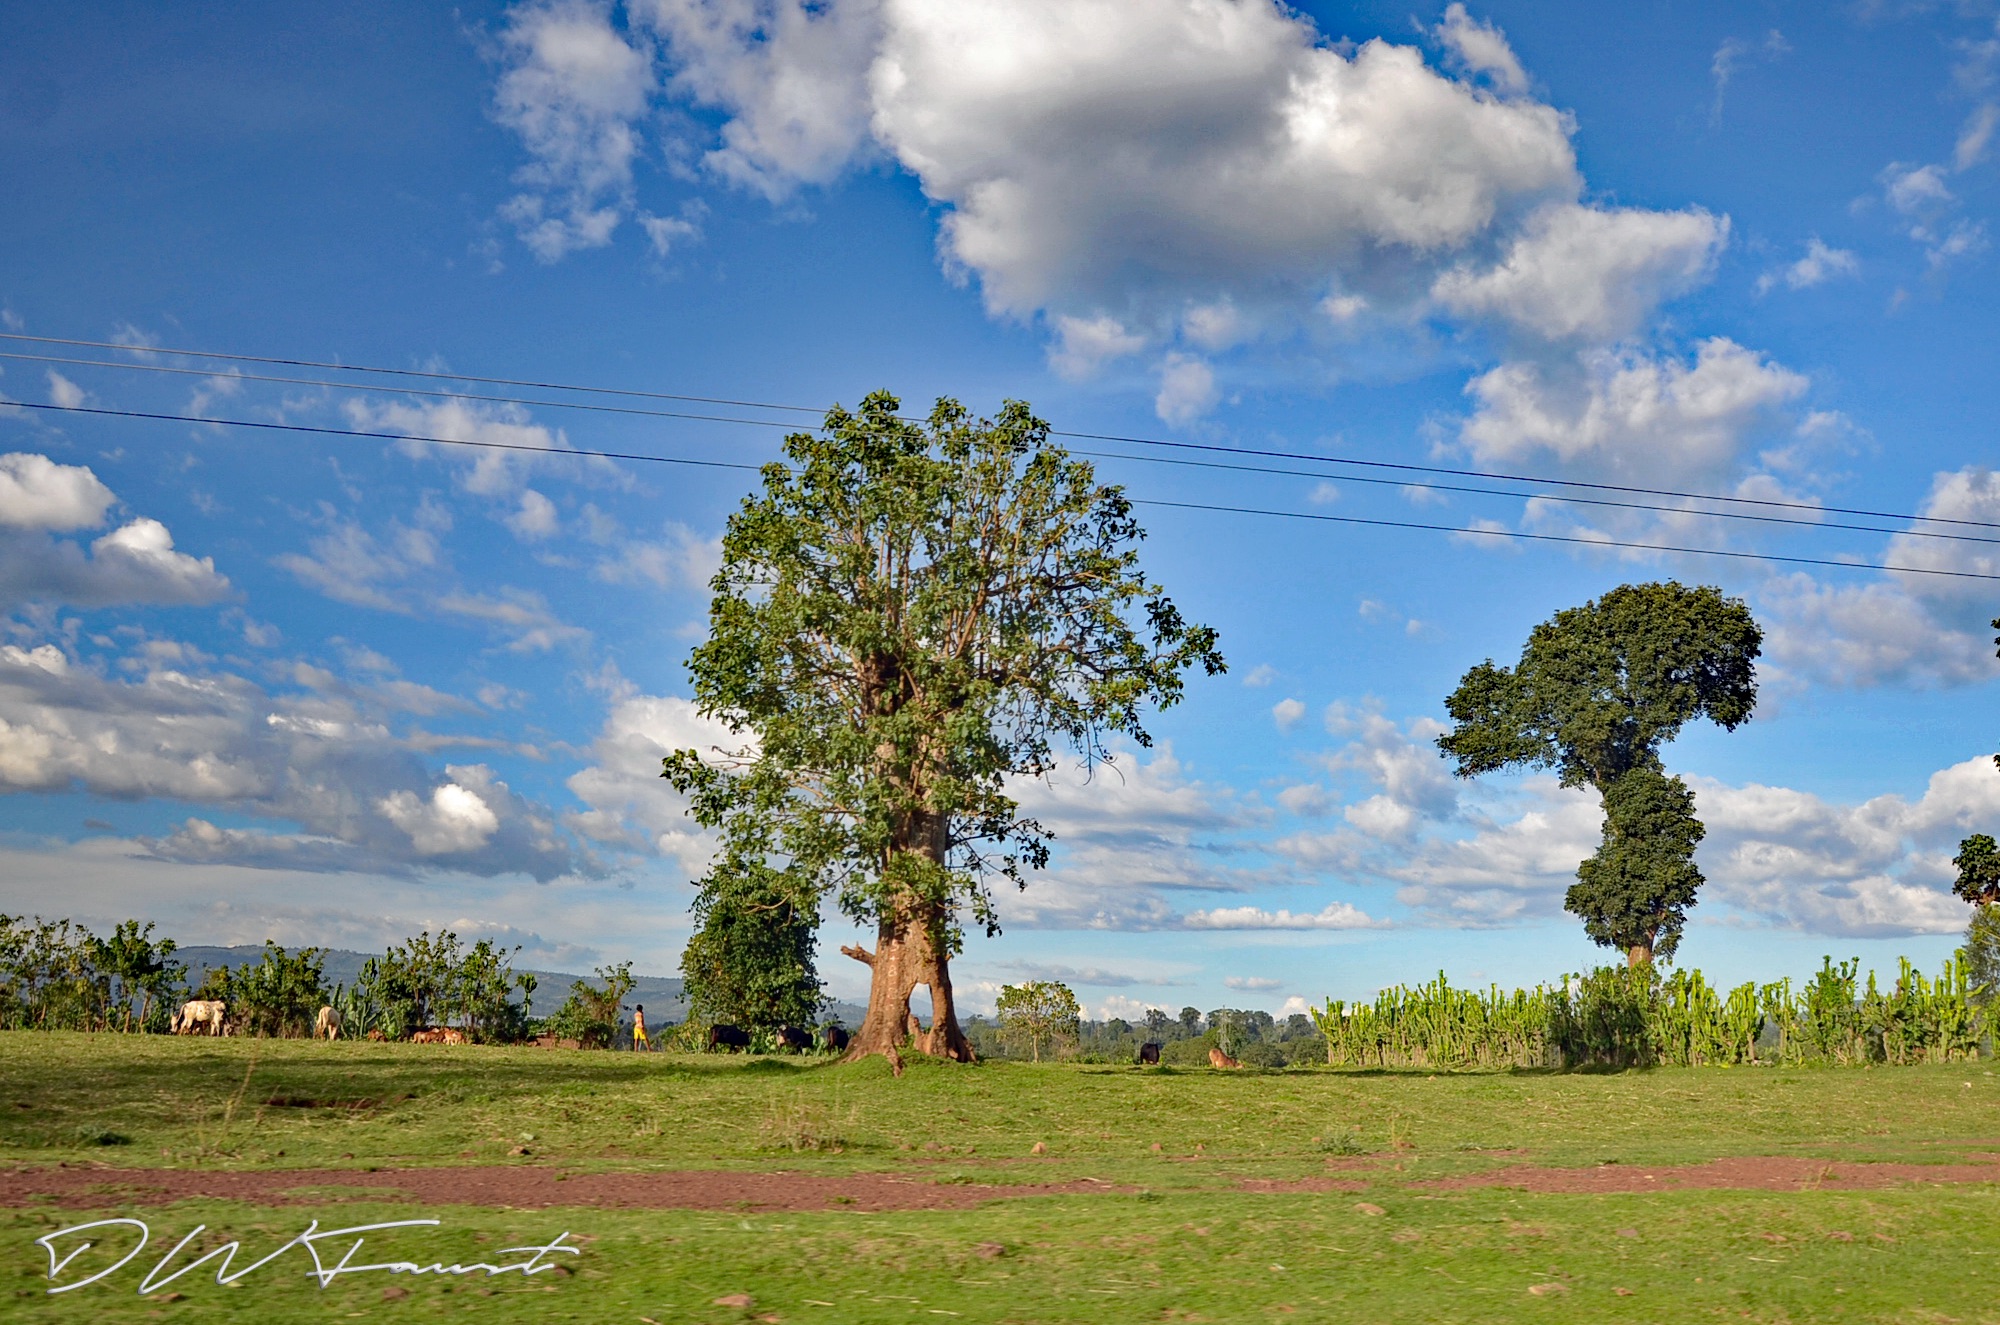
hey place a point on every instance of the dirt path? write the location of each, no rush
(1748, 1173)
(519, 1186)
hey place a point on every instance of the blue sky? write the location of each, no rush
(334, 690)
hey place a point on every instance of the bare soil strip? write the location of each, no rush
(519, 1187)
(1747, 1173)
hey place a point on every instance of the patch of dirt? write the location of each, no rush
(1751, 1173)
(1276, 1185)
(518, 1186)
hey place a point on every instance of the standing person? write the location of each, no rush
(639, 1040)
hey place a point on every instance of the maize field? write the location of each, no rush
(1639, 1017)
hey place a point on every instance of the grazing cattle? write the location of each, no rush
(1217, 1058)
(1149, 1053)
(791, 1037)
(451, 1035)
(202, 1016)
(326, 1026)
(731, 1038)
(835, 1038)
(427, 1036)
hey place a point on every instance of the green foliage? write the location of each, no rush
(1978, 862)
(1037, 1013)
(590, 1015)
(1635, 1017)
(57, 975)
(1981, 953)
(1635, 892)
(750, 959)
(907, 616)
(1598, 690)
(278, 996)
(426, 981)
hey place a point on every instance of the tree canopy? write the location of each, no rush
(1598, 690)
(1978, 865)
(907, 615)
(1037, 1013)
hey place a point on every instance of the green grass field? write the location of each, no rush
(1166, 1234)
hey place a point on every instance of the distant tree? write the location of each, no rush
(1982, 951)
(1158, 1023)
(145, 971)
(908, 617)
(280, 994)
(1190, 1020)
(750, 960)
(1978, 862)
(1041, 1011)
(590, 1015)
(1598, 690)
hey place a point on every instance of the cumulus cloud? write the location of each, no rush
(1628, 414)
(572, 91)
(134, 563)
(1588, 273)
(630, 806)
(1287, 712)
(679, 559)
(1819, 265)
(1187, 390)
(1974, 138)
(323, 758)
(38, 493)
(1900, 628)
(1181, 175)
(1335, 915)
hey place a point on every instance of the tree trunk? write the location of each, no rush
(907, 955)
(1639, 955)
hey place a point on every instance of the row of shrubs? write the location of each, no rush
(57, 975)
(1626, 1017)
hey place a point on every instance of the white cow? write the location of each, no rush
(326, 1026)
(201, 1016)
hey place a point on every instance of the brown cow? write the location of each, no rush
(451, 1035)
(1217, 1058)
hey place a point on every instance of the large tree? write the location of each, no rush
(1598, 690)
(907, 616)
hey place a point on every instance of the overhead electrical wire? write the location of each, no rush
(1422, 485)
(1320, 517)
(1348, 462)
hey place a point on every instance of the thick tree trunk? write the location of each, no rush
(907, 955)
(1638, 955)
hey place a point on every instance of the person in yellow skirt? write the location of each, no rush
(639, 1040)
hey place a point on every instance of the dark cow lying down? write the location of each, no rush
(1150, 1053)
(731, 1038)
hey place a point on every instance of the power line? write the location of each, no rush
(581, 453)
(1407, 484)
(1496, 475)
(1560, 538)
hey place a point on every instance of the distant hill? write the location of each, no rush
(663, 996)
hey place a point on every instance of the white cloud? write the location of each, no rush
(536, 519)
(63, 392)
(1820, 264)
(1286, 713)
(1628, 414)
(791, 77)
(134, 563)
(1481, 48)
(1257, 984)
(1975, 136)
(1731, 55)
(323, 759)
(1082, 346)
(1915, 190)
(679, 559)
(1335, 915)
(37, 493)
(1187, 390)
(573, 90)
(1577, 272)
(666, 233)
(1928, 208)
(630, 805)
(455, 819)
(1261, 675)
